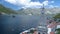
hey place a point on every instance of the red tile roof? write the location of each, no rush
(52, 25)
(52, 33)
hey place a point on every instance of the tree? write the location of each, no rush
(58, 31)
(57, 16)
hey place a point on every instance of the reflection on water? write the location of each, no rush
(17, 24)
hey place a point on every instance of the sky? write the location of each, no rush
(18, 4)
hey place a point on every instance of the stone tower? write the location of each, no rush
(42, 27)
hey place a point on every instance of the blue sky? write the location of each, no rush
(17, 4)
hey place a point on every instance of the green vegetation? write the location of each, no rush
(57, 16)
(58, 31)
(7, 10)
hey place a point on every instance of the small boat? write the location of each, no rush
(13, 16)
(0, 13)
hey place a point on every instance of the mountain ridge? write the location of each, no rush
(37, 11)
(6, 10)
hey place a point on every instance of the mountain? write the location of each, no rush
(29, 11)
(54, 10)
(37, 11)
(6, 10)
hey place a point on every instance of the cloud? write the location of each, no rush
(28, 3)
(45, 2)
(52, 6)
(23, 2)
(11, 1)
(33, 4)
(52, 1)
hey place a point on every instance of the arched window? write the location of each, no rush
(38, 33)
(43, 33)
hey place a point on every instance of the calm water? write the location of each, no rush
(17, 24)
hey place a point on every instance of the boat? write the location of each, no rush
(13, 16)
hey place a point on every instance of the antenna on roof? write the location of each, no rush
(43, 7)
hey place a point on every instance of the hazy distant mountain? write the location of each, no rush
(30, 11)
(6, 10)
(54, 10)
(36, 11)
